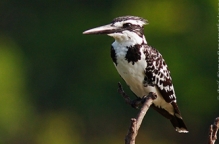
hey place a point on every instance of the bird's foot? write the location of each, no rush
(150, 94)
(136, 103)
(140, 101)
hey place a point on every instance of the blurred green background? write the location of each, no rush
(58, 86)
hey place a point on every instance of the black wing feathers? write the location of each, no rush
(158, 74)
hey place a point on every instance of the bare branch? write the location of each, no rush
(132, 132)
(124, 95)
(213, 131)
(136, 122)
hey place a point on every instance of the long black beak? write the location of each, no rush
(106, 29)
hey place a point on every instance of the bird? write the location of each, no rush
(141, 66)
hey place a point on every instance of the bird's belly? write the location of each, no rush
(133, 74)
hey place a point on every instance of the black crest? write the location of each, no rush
(138, 29)
(124, 18)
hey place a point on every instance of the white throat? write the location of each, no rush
(127, 38)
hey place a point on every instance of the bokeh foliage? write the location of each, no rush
(59, 86)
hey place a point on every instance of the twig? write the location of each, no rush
(136, 122)
(132, 132)
(213, 131)
(122, 92)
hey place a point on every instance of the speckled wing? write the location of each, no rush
(158, 74)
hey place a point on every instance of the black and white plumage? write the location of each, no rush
(142, 66)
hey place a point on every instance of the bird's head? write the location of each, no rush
(122, 28)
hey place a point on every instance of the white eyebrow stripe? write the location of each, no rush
(135, 22)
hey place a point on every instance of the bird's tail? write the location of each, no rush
(178, 123)
(177, 120)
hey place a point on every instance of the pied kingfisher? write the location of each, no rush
(142, 66)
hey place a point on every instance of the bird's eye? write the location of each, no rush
(126, 25)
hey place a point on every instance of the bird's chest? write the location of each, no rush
(131, 65)
(132, 73)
